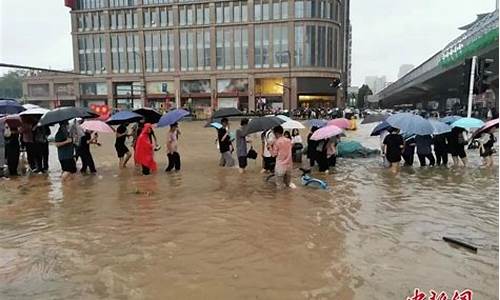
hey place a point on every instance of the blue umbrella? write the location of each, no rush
(124, 117)
(410, 124)
(172, 117)
(216, 125)
(450, 119)
(468, 123)
(379, 128)
(10, 106)
(440, 127)
(316, 123)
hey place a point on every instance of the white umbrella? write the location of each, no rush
(30, 106)
(34, 112)
(292, 124)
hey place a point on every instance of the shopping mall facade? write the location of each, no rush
(201, 54)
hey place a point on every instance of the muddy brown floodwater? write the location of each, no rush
(211, 233)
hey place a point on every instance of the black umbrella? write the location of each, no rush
(150, 115)
(262, 124)
(226, 112)
(62, 114)
(374, 118)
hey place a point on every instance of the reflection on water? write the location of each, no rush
(211, 233)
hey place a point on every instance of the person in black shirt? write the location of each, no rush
(225, 147)
(311, 147)
(441, 149)
(122, 150)
(409, 151)
(84, 150)
(393, 144)
(12, 151)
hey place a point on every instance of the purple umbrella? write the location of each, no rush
(172, 117)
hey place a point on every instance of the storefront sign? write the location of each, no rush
(64, 89)
(38, 90)
(195, 86)
(93, 89)
(164, 87)
(232, 85)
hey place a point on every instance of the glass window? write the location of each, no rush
(244, 11)
(244, 43)
(88, 21)
(121, 50)
(265, 10)
(257, 11)
(237, 12)
(199, 49)
(258, 46)
(199, 14)
(206, 62)
(307, 8)
(190, 13)
(206, 14)
(299, 9)
(228, 39)
(167, 50)
(276, 10)
(95, 21)
(299, 43)
(219, 15)
(219, 53)
(147, 18)
(237, 49)
(191, 52)
(329, 49)
(265, 47)
(183, 49)
(284, 9)
(163, 17)
(227, 13)
(335, 45)
(121, 19)
(182, 15)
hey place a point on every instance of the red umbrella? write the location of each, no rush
(487, 126)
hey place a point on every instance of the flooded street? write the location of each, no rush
(211, 233)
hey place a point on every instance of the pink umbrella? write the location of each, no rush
(341, 123)
(13, 121)
(487, 126)
(326, 132)
(97, 126)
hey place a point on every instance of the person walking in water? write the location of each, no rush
(424, 150)
(174, 159)
(456, 143)
(441, 149)
(487, 141)
(120, 147)
(84, 150)
(226, 157)
(65, 151)
(144, 150)
(297, 146)
(268, 161)
(241, 145)
(282, 150)
(409, 151)
(393, 145)
(311, 147)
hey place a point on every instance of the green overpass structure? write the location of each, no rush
(441, 77)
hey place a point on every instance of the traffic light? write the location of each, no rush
(482, 84)
(465, 84)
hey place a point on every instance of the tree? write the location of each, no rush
(11, 85)
(362, 93)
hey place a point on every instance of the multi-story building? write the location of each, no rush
(375, 83)
(201, 54)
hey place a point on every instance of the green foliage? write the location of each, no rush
(11, 85)
(362, 93)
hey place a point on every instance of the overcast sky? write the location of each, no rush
(386, 33)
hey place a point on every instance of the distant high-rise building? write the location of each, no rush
(375, 83)
(404, 69)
